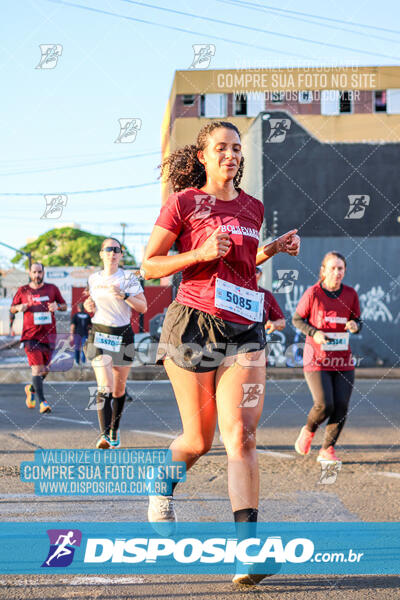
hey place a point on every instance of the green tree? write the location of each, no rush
(67, 247)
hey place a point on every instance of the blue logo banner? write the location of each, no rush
(213, 548)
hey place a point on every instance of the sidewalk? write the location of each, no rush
(21, 373)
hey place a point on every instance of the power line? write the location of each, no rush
(260, 8)
(174, 28)
(257, 29)
(296, 12)
(78, 166)
(98, 191)
(47, 158)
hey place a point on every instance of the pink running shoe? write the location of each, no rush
(328, 454)
(303, 442)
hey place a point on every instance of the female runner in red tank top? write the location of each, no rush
(213, 339)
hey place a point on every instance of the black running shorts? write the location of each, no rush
(198, 341)
(116, 342)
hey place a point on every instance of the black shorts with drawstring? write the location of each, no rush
(199, 342)
(122, 355)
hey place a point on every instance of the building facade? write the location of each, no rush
(321, 150)
(352, 104)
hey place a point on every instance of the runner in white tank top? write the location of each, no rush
(113, 294)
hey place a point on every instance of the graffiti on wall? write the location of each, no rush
(377, 305)
(374, 303)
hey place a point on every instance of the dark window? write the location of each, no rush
(202, 105)
(305, 97)
(345, 102)
(380, 101)
(240, 104)
(188, 99)
(277, 97)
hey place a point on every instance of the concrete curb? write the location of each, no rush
(6, 345)
(17, 373)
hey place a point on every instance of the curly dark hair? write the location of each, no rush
(183, 169)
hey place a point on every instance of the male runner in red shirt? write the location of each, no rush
(38, 301)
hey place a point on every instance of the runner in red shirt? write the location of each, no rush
(274, 319)
(213, 338)
(327, 313)
(273, 315)
(38, 301)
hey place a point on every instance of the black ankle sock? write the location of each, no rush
(37, 383)
(104, 412)
(117, 408)
(245, 522)
(174, 484)
(246, 515)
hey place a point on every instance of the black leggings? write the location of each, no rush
(331, 391)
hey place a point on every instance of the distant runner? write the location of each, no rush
(327, 313)
(110, 345)
(39, 302)
(273, 316)
(80, 326)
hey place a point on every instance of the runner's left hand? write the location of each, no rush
(351, 326)
(289, 242)
(269, 327)
(52, 306)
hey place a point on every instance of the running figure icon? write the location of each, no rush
(357, 207)
(62, 549)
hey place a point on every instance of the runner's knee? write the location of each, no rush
(239, 439)
(199, 444)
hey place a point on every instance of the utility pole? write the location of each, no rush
(123, 225)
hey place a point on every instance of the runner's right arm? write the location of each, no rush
(157, 263)
(89, 305)
(301, 315)
(303, 325)
(17, 305)
(18, 308)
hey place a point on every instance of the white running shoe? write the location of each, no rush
(248, 578)
(162, 512)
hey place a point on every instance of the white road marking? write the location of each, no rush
(8, 496)
(388, 474)
(269, 452)
(69, 420)
(130, 382)
(82, 580)
(103, 580)
(156, 433)
(70, 382)
(275, 454)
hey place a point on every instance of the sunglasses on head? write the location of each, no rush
(115, 249)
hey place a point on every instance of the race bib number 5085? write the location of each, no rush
(239, 300)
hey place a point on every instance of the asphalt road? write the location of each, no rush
(367, 488)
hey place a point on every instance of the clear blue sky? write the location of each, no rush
(55, 123)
